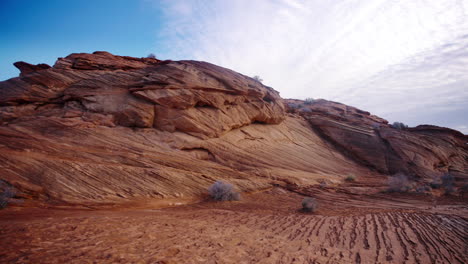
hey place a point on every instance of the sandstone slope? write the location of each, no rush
(100, 129)
(424, 152)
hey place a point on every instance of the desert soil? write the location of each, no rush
(265, 227)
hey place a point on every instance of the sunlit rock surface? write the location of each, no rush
(102, 129)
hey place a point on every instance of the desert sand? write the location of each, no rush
(265, 227)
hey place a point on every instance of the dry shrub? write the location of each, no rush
(464, 190)
(222, 191)
(399, 183)
(447, 183)
(7, 192)
(309, 204)
(423, 188)
(257, 78)
(309, 101)
(350, 178)
(399, 125)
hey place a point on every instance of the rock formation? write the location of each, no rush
(103, 129)
(424, 152)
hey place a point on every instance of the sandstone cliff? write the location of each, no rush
(423, 152)
(103, 129)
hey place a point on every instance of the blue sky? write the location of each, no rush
(42, 31)
(402, 60)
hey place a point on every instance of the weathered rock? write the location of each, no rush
(206, 100)
(77, 123)
(99, 129)
(423, 152)
(193, 97)
(101, 60)
(26, 68)
(79, 162)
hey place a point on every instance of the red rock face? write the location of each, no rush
(27, 68)
(423, 152)
(76, 116)
(193, 97)
(102, 129)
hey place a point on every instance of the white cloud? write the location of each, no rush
(463, 129)
(384, 56)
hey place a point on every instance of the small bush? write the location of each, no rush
(294, 105)
(257, 78)
(464, 190)
(435, 185)
(309, 101)
(399, 125)
(7, 192)
(447, 183)
(447, 180)
(423, 189)
(151, 56)
(323, 184)
(399, 183)
(309, 204)
(222, 191)
(350, 178)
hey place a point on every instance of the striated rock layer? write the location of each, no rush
(424, 152)
(104, 129)
(197, 98)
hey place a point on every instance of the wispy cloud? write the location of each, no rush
(432, 81)
(388, 57)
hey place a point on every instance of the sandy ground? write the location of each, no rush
(265, 227)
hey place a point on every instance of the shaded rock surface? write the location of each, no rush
(26, 68)
(100, 129)
(424, 152)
